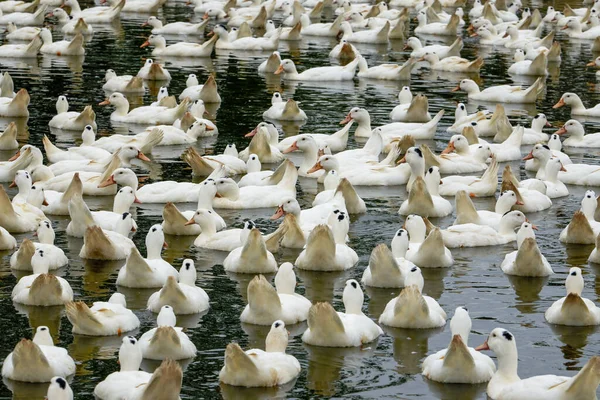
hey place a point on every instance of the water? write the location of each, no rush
(389, 368)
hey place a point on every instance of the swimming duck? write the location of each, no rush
(131, 383)
(183, 296)
(41, 288)
(143, 115)
(234, 197)
(37, 360)
(318, 74)
(452, 63)
(284, 111)
(59, 389)
(255, 175)
(35, 18)
(252, 257)
(425, 251)
(123, 83)
(459, 363)
(25, 34)
(466, 212)
(15, 106)
(103, 318)
(442, 51)
(506, 384)
(534, 134)
(330, 29)
(577, 136)
(271, 64)
(483, 186)
(411, 109)
(411, 309)
(536, 67)
(377, 35)
(224, 41)
(573, 310)
(574, 29)
(72, 47)
(437, 28)
(532, 193)
(175, 28)
(473, 235)
(210, 238)
(152, 71)
(388, 72)
(72, 120)
(99, 244)
(424, 199)
(52, 202)
(95, 15)
(388, 269)
(539, 155)
(502, 93)
(583, 228)
(255, 367)
(577, 107)
(527, 260)
(554, 187)
(266, 304)
(166, 341)
(352, 328)
(8, 138)
(179, 49)
(21, 259)
(18, 219)
(70, 26)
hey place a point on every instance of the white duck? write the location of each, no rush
(424, 199)
(95, 15)
(577, 136)
(143, 115)
(72, 47)
(459, 363)
(388, 269)
(175, 28)
(418, 50)
(254, 368)
(72, 120)
(535, 134)
(573, 310)
(425, 251)
(166, 341)
(104, 318)
(536, 67)
(352, 328)
(410, 309)
(152, 71)
(210, 238)
(179, 49)
(527, 260)
(99, 244)
(21, 259)
(473, 235)
(70, 26)
(59, 389)
(234, 197)
(266, 304)
(25, 34)
(122, 83)
(452, 63)
(387, 72)
(476, 186)
(466, 212)
(284, 111)
(252, 257)
(502, 93)
(577, 107)
(224, 42)
(319, 74)
(583, 228)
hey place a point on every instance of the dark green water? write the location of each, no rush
(389, 368)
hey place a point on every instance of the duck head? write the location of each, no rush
(277, 338)
(130, 354)
(353, 297)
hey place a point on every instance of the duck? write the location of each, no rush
(166, 341)
(152, 71)
(424, 199)
(123, 83)
(255, 367)
(411, 109)
(8, 138)
(19, 202)
(234, 197)
(291, 34)
(554, 187)
(104, 318)
(463, 119)
(72, 47)
(52, 202)
(535, 134)
(583, 228)
(424, 250)
(17, 219)
(95, 15)
(476, 186)
(131, 383)
(577, 107)
(458, 157)
(41, 288)
(7, 241)
(352, 328)
(535, 67)
(344, 51)
(27, 51)
(72, 120)
(252, 257)
(329, 29)
(184, 296)
(388, 269)
(410, 309)
(531, 193)
(224, 42)
(35, 18)
(207, 165)
(179, 49)
(319, 74)
(326, 248)
(37, 360)
(284, 111)
(336, 188)
(378, 35)
(442, 51)
(459, 363)
(143, 115)
(452, 63)
(574, 29)
(387, 72)
(266, 303)
(306, 220)
(573, 310)
(149, 272)
(175, 28)
(99, 244)
(577, 136)
(363, 120)
(210, 238)
(15, 106)
(437, 28)
(527, 260)
(21, 259)
(539, 155)
(502, 93)
(255, 175)
(473, 235)
(70, 26)
(271, 64)
(466, 212)
(506, 384)
(59, 389)
(25, 34)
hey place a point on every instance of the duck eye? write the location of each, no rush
(354, 285)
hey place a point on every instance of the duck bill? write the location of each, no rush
(17, 155)
(190, 222)
(209, 128)
(108, 182)
(165, 245)
(449, 149)
(561, 131)
(251, 133)
(562, 168)
(505, 35)
(457, 88)
(278, 213)
(528, 156)
(50, 15)
(482, 347)
(534, 227)
(548, 125)
(279, 69)
(402, 160)
(104, 103)
(406, 47)
(315, 168)
(136, 200)
(421, 59)
(346, 120)
(560, 103)
(142, 156)
(205, 16)
(145, 44)
(45, 203)
(145, 24)
(591, 64)
(293, 147)
(564, 28)
(519, 203)
(12, 184)
(210, 34)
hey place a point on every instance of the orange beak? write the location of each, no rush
(218, 195)
(278, 213)
(279, 69)
(562, 168)
(145, 44)
(519, 203)
(561, 131)
(165, 245)
(534, 227)
(210, 34)
(104, 103)
(449, 149)
(402, 160)
(505, 35)
(12, 184)
(50, 15)
(470, 28)
(315, 168)
(209, 128)
(406, 47)
(17, 155)
(142, 156)
(528, 156)
(560, 103)
(63, 5)
(564, 27)
(548, 124)
(44, 203)
(457, 88)
(346, 120)
(136, 200)
(145, 23)
(482, 347)
(133, 229)
(252, 133)
(205, 16)
(293, 147)
(190, 222)
(591, 64)
(421, 59)
(108, 182)
(474, 34)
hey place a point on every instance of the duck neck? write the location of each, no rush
(121, 205)
(46, 236)
(208, 226)
(205, 198)
(122, 107)
(508, 366)
(399, 247)
(364, 125)
(362, 65)
(506, 227)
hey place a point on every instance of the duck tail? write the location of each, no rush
(199, 166)
(499, 114)
(76, 45)
(503, 129)
(23, 255)
(238, 362)
(469, 133)
(465, 209)
(173, 217)
(539, 64)
(86, 117)
(383, 265)
(452, 27)
(456, 47)
(263, 299)
(324, 320)
(410, 301)
(336, 25)
(354, 203)
(374, 145)
(383, 33)
(529, 259)
(475, 65)
(431, 15)
(9, 137)
(320, 248)
(75, 188)
(209, 92)
(317, 11)
(29, 360)
(575, 308)
(398, 32)
(515, 138)
(278, 174)
(152, 139)
(79, 315)
(458, 355)
(579, 230)
(406, 69)
(165, 383)
(49, 147)
(172, 294)
(96, 244)
(8, 87)
(547, 40)
(290, 177)
(81, 26)
(554, 52)
(431, 159)
(45, 289)
(21, 100)
(585, 383)
(273, 239)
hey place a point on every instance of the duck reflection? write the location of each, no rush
(527, 290)
(97, 273)
(43, 316)
(87, 348)
(455, 390)
(257, 334)
(27, 391)
(575, 338)
(320, 286)
(238, 392)
(411, 346)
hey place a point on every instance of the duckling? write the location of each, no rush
(103, 318)
(352, 328)
(184, 297)
(41, 288)
(266, 304)
(459, 363)
(527, 260)
(37, 360)
(254, 368)
(411, 309)
(166, 341)
(573, 310)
